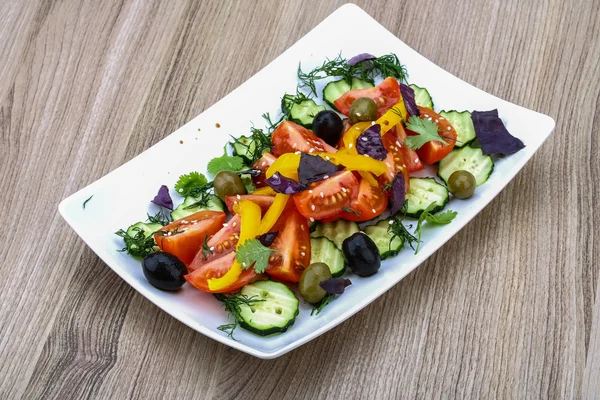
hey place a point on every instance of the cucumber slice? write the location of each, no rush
(334, 90)
(422, 97)
(324, 250)
(182, 211)
(388, 245)
(303, 113)
(423, 192)
(244, 147)
(462, 124)
(145, 227)
(336, 231)
(469, 159)
(275, 314)
(360, 84)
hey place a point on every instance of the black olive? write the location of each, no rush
(164, 270)
(328, 126)
(361, 254)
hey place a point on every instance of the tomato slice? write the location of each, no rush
(404, 157)
(434, 151)
(216, 269)
(388, 177)
(385, 95)
(262, 165)
(220, 244)
(184, 237)
(290, 137)
(326, 198)
(264, 202)
(292, 245)
(369, 203)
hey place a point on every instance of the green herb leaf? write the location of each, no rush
(348, 209)
(233, 304)
(88, 199)
(159, 218)
(225, 163)
(252, 252)
(138, 245)
(397, 229)
(317, 308)
(427, 131)
(190, 183)
(440, 219)
(206, 251)
(248, 183)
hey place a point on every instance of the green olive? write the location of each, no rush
(462, 184)
(228, 183)
(310, 282)
(363, 109)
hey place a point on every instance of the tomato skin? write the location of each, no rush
(221, 243)
(193, 229)
(262, 165)
(217, 268)
(434, 151)
(292, 245)
(369, 203)
(290, 137)
(385, 95)
(404, 157)
(338, 192)
(264, 202)
(388, 177)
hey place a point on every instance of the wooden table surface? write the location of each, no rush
(506, 309)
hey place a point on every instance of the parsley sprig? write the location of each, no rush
(427, 131)
(443, 218)
(253, 253)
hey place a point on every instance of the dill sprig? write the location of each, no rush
(233, 304)
(397, 229)
(138, 245)
(159, 218)
(384, 66)
(317, 308)
(258, 143)
(270, 124)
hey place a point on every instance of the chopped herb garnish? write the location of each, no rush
(232, 304)
(317, 308)
(206, 251)
(88, 199)
(427, 131)
(439, 219)
(159, 218)
(349, 210)
(397, 229)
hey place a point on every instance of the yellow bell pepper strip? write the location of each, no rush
(273, 213)
(393, 116)
(356, 162)
(286, 165)
(353, 133)
(249, 213)
(369, 178)
(264, 191)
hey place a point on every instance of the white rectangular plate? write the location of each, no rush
(122, 197)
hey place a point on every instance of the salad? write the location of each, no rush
(294, 211)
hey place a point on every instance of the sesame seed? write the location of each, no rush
(225, 224)
(302, 253)
(425, 115)
(296, 153)
(311, 150)
(234, 224)
(212, 248)
(169, 234)
(364, 139)
(310, 191)
(244, 264)
(344, 189)
(327, 158)
(312, 219)
(313, 207)
(436, 121)
(449, 128)
(350, 146)
(374, 211)
(391, 222)
(416, 160)
(325, 176)
(322, 194)
(302, 227)
(441, 118)
(238, 197)
(398, 144)
(429, 118)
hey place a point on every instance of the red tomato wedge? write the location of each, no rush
(385, 95)
(290, 137)
(292, 245)
(369, 203)
(264, 202)
(404, 157)
(184, 237)
(434, 151)
(388, 177)
(220, 244)
(262, 165)
(216, 269)
(326, 198)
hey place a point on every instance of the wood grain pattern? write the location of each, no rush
(507, 309)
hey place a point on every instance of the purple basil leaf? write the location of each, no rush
(398, 189)
(314, 168)
(281, 184)
(360, 57)
(492, 134)
(408, 95)
(267, 239)
(370, 143)
(163, 198)
(335, 285)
